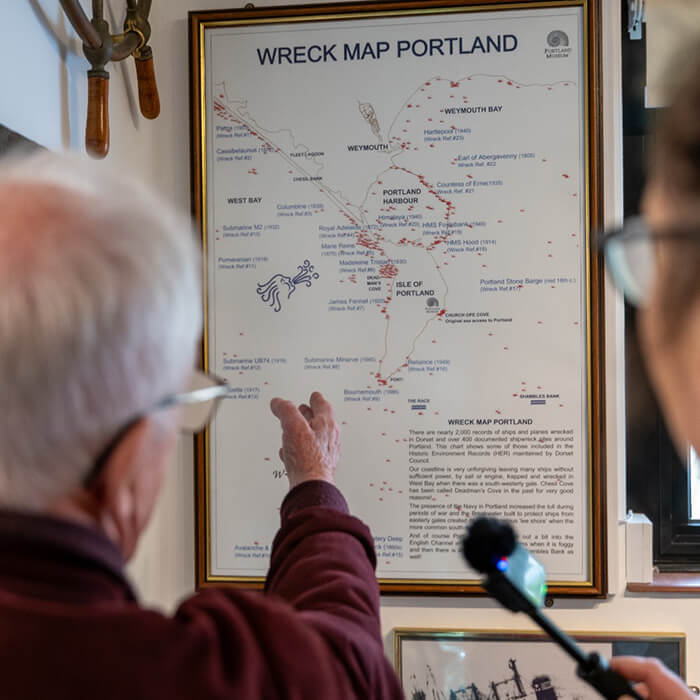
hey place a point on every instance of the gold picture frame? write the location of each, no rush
(206, 179)
(473, 664)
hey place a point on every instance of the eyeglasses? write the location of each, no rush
(629, 253)
(199, 404)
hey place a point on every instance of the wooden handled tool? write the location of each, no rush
(97, 127)
(148, 90)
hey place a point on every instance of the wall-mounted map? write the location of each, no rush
(396, 214)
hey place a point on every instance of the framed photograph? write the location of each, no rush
(397, 203)
(479, 665)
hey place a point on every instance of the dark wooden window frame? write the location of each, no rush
(658, 479)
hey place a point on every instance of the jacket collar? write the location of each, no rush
(56, 559)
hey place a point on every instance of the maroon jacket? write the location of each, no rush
(70, 626)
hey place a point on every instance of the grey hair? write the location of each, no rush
(100, 313)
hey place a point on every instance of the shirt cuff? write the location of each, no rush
(312, 493)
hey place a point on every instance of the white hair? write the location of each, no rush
(100, 313)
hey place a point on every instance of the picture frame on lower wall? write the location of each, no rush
(472, 664)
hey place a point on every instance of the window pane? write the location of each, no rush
(694, 485)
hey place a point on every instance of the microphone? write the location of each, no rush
(491, 547)
(518, 582)
(488, 540)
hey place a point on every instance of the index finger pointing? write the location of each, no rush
(287, 413)
(320, 406)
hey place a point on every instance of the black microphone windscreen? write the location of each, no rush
(487, 541)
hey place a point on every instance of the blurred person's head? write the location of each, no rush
(670, 318)
(99, 318)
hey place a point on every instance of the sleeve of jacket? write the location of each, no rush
(323, 564)
(314, 634)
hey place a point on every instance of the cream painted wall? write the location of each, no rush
(52, 112)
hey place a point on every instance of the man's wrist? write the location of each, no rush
(316, 492)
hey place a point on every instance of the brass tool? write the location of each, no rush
(100, 47)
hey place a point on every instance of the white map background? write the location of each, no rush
(527, 223)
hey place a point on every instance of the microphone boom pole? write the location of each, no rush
(488, 545)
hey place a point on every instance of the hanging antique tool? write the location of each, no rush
(100, 47)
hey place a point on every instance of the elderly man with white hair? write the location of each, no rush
(100, 314)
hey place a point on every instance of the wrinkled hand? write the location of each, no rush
(310, 439)
(651, 678)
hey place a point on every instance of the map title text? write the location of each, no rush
(374, 50)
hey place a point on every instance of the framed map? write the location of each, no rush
(481, 665)
(396, 203)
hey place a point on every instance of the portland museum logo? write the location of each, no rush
(557, 44)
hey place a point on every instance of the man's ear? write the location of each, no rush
(127, 488)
